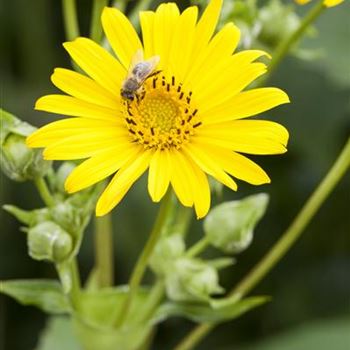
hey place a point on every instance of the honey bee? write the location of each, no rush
(139, 71)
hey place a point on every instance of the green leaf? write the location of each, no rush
(94, 320)
(58, 335)
(95, 305)
(206, 313)
(321, 335)
(47, 295)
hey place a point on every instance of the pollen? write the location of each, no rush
(161, 115)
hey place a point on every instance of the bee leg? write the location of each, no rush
(154, 73)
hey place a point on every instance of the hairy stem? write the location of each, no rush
(142, 262)
(70, 18)
(282, 246)
(44, 192)
(95, 25)
(104, 258)
(285, 45)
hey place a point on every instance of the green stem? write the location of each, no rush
(285, 45)
(282, 246)
(95, 26)
(44, 192)
(140, 6)
(120, 4)
(76, 287)
(104, 250)
(198, 248)
(141, 264)
(155, 297)
(70, 19)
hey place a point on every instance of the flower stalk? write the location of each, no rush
(95, 26)
(142, 262)
(104, 250)
(285, 45)
(278, 251)
(71, 26)
(44, 191)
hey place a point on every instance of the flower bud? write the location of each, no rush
(167, 249)
(61, 175)
(68, 217)
(192, 280)
(48, 241)
(17, 161)
(229, 226)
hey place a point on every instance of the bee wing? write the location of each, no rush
(153, 62)
(137, 58)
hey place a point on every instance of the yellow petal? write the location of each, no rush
(121, 35)
(206, 27)
(302, 2)
(67, 105)
(197, 152)
(237, 165)
(99, 167)
(228, 77)
(84, 88)
(55, 131)
(247, 136)
(122, 181)
(221, 46)
(98, 63)
(165, 21)
(331, 3)
(179, 178)
(245, 104)
(200, 187)
(147, 28)
(225, 87)
(83, 146)
(180, 51)
(159, 175)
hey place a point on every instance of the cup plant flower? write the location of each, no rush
(180, 102)
(185, 123)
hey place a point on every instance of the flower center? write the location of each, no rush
(161, 115)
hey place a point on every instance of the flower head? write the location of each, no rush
(183, 121)
(327, 3)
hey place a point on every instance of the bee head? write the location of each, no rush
(127, 95)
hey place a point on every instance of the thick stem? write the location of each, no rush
(141, 264)
(198, 248)
(104, 258)
(76, 287)
(95, 26)
(44, 192)
(282, 246)
(140, 6)
(155, 297)
(284, 47)
(70, 19)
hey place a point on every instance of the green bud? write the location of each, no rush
(61, 175)
(68, 217)
(277, 21)
(166, 251)
(192, 280)
(229, 226)
(17, 161)
(48, 241)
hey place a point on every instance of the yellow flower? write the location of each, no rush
(327, 3)
(186, 121)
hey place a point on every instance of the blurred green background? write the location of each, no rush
(311, 285)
